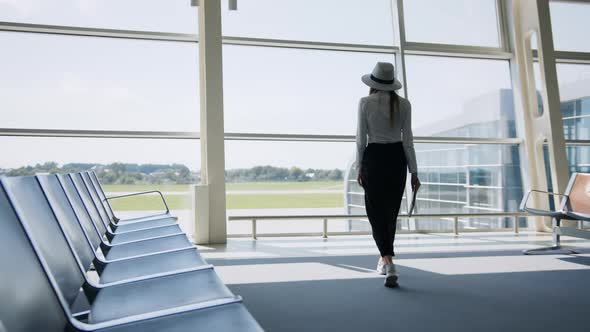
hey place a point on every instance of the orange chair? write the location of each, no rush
(575, 205)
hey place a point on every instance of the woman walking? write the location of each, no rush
(385, 123)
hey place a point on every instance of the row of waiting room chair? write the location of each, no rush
(68, 264)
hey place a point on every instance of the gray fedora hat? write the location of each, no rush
(382, 77)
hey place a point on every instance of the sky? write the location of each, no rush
(67, 82)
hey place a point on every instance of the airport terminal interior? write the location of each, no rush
(190, 165)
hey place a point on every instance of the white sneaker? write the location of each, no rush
(392, 275)
(381, 267)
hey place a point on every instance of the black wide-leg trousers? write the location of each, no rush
(383, 174)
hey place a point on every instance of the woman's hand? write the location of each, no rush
(359, 179)
(415, 182)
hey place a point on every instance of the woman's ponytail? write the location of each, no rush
(394, 101)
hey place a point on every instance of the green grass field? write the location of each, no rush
(284, 201)
(236, 202)
(151, 203)
(320, 185)
(146, 187)
(325, 185)
(253, 201)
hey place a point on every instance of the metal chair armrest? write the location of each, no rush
(547, 213)
(141, 193)
(577, 216)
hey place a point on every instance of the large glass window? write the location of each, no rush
(574, 91)
(459, 178)
(123, 166)
(65, 82)
(335, 155)
(463, 22)
(281, 90)
(569, 21)
(579, 158)
(460, 97)
(144, 15)
(89, 151)
(286, 178)
(88, 83)
(334, 21)
(471, 178)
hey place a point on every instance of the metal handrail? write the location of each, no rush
(272, 137)
(325, 218)
(141, 193)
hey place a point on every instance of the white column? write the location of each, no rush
(399, 33)
(548, 127)
(556, 137)
(210, 226)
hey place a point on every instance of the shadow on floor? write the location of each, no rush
(367, 261)
(582, 260)
(425, 301)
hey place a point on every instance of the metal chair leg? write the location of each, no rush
(556, 248)
(553, 250)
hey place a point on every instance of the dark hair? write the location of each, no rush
(394, 102)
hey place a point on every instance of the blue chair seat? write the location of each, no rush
(232, 317)
(172, 291)
(145, 218)
(148, 247)
(135, 226)
(150, 265)
(146, 234)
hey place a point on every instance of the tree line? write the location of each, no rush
(271, 173)
(130, 174)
